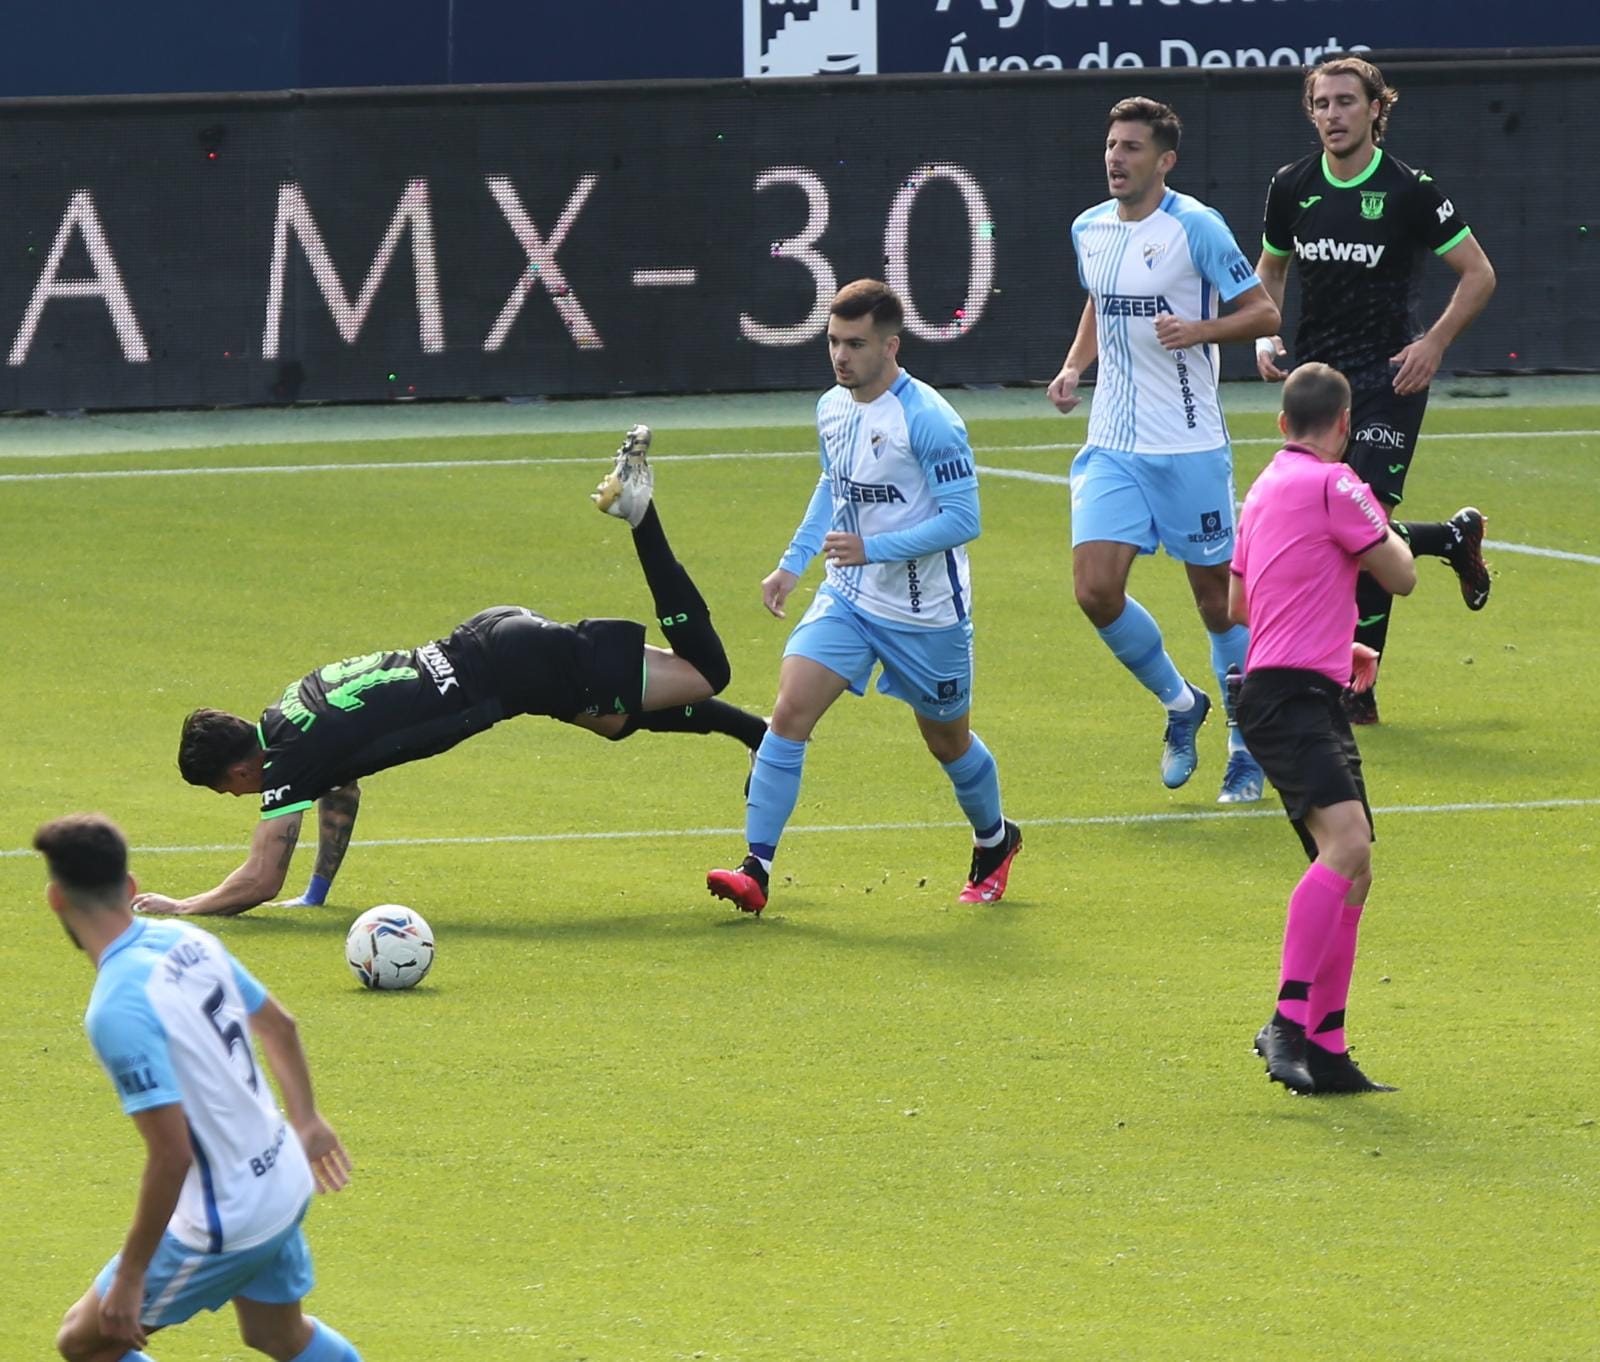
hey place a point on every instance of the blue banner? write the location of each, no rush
(808, 37)
(111, 47)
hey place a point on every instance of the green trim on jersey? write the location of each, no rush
(301, 807)
(1454, 241)
(1362, 178)
(1270, 248)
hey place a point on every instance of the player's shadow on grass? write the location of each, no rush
(1357, 1124)
(778, 929)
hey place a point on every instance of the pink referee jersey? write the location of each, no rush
(1304, 525)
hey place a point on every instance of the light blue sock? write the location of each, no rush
(136, 1357)
(1135, 639)
(327, 1345)
(774, 789)
(977, 782)
(1228, 650)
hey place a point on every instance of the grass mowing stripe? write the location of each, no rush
(1063, 821)
(1018, 474)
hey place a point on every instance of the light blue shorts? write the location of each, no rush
(1184, 502)
(182, 1282)
(930, 669)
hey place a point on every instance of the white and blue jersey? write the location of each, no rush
(169, 1018)
(899, 472)
(1183, 260)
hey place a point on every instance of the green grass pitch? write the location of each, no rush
(620, 1122)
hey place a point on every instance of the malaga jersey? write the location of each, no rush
(169, 1018)
(883, 462)
(1180, 260)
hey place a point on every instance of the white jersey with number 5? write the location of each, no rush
(170, 1020)
(1181, 260)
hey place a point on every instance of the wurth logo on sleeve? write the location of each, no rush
(1357, 492)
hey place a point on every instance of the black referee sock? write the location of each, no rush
(1428, 538)
(681, 611)
(706, 716)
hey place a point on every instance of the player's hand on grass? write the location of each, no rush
(119, 1310)
(1418, 363)
(844, 550)
(330, 1165)
(1063, 389)
(775, 589)
(1363, 667)
(1268, 348)
(156, 904)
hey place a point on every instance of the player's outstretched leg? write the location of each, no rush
(1465, 555)
(685, 619)
(626, 490)
(705, 716)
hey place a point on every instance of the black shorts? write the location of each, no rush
(1383, 438)
(538, 666)
(1294, 724)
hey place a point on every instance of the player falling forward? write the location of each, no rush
(365, 714)
(1359, 223)
(1158, 466)
(1308, 526)
(226, 1179)
(892, 513)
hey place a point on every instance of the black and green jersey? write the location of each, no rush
(1360, 244)
(365, 714)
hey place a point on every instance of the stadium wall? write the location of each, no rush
(365, 246)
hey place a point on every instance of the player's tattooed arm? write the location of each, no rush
(336, 820)
(257, 880)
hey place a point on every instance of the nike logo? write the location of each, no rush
(1306, 203)
(1370, 620)
(1396, 467)
(1212, 549)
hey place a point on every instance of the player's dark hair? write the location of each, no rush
(870, 297)
(211, 742)
(1371, 82)
(1313, 397)
(86, 852)
(1166, 131)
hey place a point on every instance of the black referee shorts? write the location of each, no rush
(1294, 724)
(1384, 428)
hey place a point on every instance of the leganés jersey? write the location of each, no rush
(365, 714)
(1359, 244)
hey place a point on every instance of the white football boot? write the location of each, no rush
(626, 490)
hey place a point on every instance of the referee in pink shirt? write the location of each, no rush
(1308, 527)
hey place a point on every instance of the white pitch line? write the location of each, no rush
(1016, 474)
(1079, 821)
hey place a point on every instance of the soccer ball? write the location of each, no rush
(389, 947)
